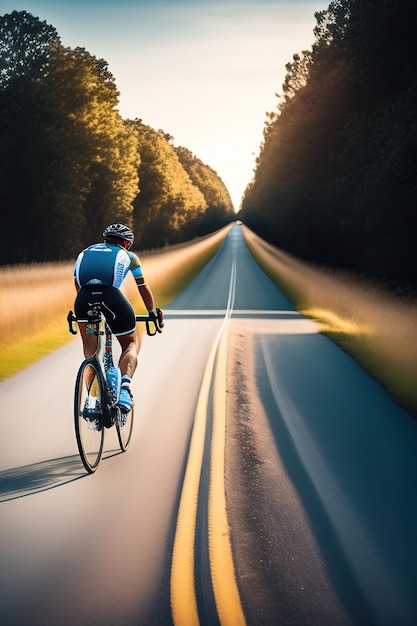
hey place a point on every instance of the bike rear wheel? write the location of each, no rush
(88, 403)
(124, 427)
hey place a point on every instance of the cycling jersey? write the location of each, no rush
(106, 264)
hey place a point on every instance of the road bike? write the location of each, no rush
(97, 389)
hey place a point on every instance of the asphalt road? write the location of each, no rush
(270, 480)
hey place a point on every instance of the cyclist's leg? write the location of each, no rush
(89, 347)
(121, 319)
(89, 340)
(130, 345)
(81, 306)
(127, 364)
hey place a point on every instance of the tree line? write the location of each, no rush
(336, 177)
(70, 164)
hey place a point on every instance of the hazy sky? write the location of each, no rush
(204, 71)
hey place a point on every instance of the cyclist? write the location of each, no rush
(98, 273)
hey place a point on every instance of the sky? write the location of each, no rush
(204, 71)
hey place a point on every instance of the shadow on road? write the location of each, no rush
(19, 482)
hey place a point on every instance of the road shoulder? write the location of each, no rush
(279, 568)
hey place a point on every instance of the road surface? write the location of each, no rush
(270, 480)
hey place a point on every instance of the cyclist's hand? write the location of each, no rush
(157, 317)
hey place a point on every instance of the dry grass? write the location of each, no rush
(35, 299)
(31, 297)
(376, 328)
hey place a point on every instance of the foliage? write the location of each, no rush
(167, 200)
(67, 160)
(25, 43)
(336, 178)
(179, 196)
(219, 204)
(93, 153)
(69, 164)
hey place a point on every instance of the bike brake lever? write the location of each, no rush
(148, 328)
(71, 319)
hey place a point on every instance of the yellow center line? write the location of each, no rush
(226, 593)
(183, 594)
(183, 597)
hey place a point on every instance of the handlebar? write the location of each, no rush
(154, 323)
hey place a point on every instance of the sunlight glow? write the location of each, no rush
(205, 72)
(331, 322)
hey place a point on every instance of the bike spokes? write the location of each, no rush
(88, 413)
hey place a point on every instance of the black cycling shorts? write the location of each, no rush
(118, 311)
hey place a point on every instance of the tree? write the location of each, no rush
(25, 48)
(25, 45)
(68, 161)
(94, 159)
(168, 202)
(336, 178)
(219, 204)
(69, 164)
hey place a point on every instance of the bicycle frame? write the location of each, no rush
(90, 422)
(102, 358)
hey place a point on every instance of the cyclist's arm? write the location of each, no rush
(147, 296)
(144, 289)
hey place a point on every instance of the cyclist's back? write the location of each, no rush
(99, 272)
(105, 264)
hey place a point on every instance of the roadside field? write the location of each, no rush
(378, 329)
(35, 299)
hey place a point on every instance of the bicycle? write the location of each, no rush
(95, 399)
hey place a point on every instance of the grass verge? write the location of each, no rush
(372, 325)
(35, 299)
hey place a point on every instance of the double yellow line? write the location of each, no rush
(183, 593)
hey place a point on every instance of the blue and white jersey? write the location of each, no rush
(106, 264)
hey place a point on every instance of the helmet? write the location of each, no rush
(119, 231)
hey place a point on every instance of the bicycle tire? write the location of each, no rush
(124, 427)
(89, 429)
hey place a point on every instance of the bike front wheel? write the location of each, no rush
(88, 414)
(124, 427)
